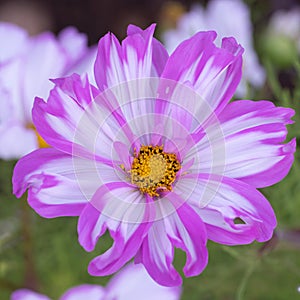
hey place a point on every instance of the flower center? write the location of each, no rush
(153, 170)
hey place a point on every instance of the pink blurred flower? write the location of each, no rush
(227, 18)
(26, 65)
(157, 155)
(132, 282)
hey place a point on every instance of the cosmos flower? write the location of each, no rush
(227, 18)
(139, 286)
(26, 65)
(156, 155)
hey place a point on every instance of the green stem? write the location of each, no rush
(30, 276)
(242, 287)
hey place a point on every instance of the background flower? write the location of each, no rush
(132, 282)
(26, 65)
(228, 18)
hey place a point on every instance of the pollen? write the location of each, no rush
(154, 170)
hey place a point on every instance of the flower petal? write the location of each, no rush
(59, 184)
(15, 44)
(45, 51)
(221, 202)
(25, 294)
(157, 254)
(213, 72)
(16, 141)
(254, 133)
(160, 54)
(140, 286)
(129, 72)
(85, 65)
(10, 83)
(183, 229)
(84, 291)
(80, 58)
(74, 44)
(63, 120)
(139, 56)
(56, 120)
(120, 208)
(219, 18)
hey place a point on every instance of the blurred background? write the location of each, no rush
(43, 254)
(96, 17)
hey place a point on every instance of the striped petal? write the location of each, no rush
(233, 211)
(73, 122)
(122, 210)
(214, 73)
(182, 229)
(59, 184)
(139, 56)
(254, 134)
(246, 142)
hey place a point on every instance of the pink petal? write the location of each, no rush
(72, 122)
(10, 82)
(77, 88)
(120, 208)
(73, 43)
(59, 184)
(182, 229)
(157, 254)
(220, 201)
(84, 291)
(245, 141)
(172, 102)
(140, 286)
(123, 154)
(254, 133)
(44, 59)
(125, 72)
(139, 56)
(16, 141)
(25, 294)
(15, 44)
(213, 72)
(160, 54)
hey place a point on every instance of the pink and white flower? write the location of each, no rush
(26, 65)
(227, 18)
(157, 155)
(132, 282)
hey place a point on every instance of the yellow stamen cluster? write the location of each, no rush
(153, 170)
